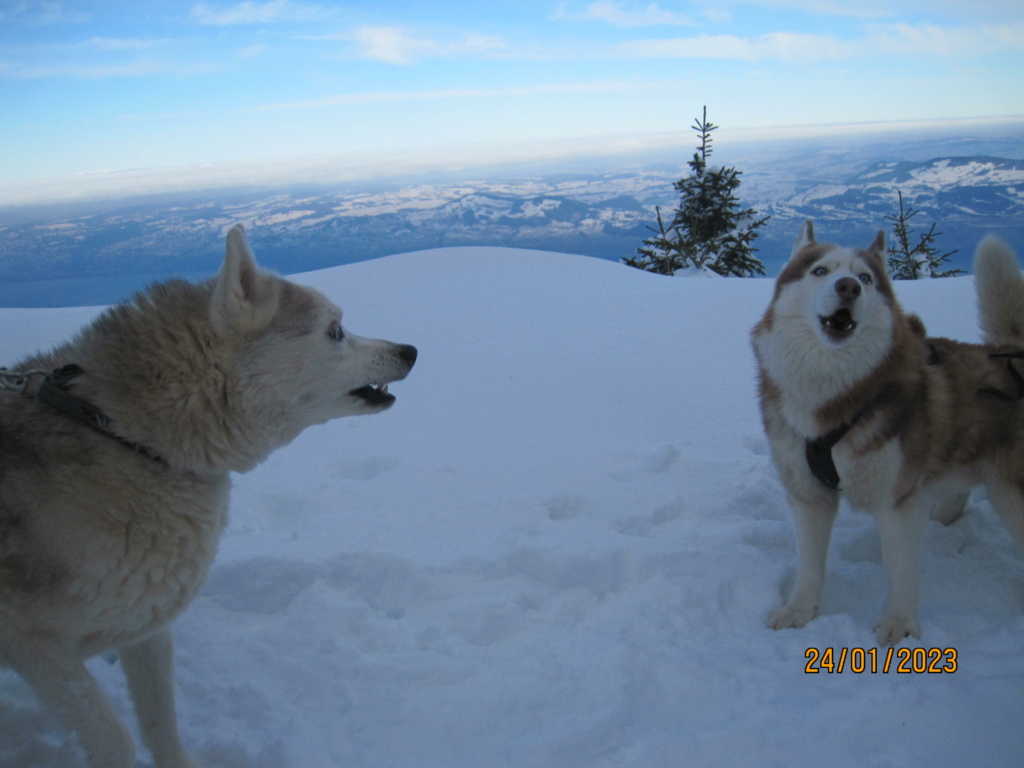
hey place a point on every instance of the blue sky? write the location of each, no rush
(99, 87)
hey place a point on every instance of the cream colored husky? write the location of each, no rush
(858, 403)
(115, 450)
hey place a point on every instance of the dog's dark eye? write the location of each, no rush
(865, 278)
(336, 332)
(819, 271)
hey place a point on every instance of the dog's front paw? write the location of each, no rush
(173, 757)
(179, 761)
(891, 630)
(790, 616)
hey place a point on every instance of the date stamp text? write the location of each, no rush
(904, 661)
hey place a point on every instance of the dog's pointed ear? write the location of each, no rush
(244, 296)
(878, 246)
(804, 238)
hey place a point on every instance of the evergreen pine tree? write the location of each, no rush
(913, 262)
(709, 230)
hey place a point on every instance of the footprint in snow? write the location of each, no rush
(631, 467)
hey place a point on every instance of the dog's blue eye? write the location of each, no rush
(865, 278)
(819, 272)
(336, 332)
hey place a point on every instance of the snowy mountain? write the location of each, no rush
(946, 188)
(565, 560)
(601, 216)
(101, 254)
(967, 197)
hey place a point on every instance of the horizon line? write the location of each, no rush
(107, 186)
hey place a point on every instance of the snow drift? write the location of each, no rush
(558, 549)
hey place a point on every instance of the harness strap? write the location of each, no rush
(1018, 380)
(17, 381)
(819, 456)
(54, 392)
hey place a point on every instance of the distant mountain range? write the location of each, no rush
(605, 215)
(967, 197)
(949, 188)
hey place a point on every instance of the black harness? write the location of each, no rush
(54, 392)
(819, 455)
(1018, 380)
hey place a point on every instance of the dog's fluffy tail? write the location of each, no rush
(1000, 287)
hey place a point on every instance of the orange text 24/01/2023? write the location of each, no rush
(874, 660)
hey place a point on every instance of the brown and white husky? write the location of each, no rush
(858, 403)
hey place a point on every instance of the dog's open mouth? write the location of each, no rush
(839, 325)
(374, 394)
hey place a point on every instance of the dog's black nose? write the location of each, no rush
(408, 353)
(847, 288)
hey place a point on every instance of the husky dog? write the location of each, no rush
(115, 451)
(858, 403)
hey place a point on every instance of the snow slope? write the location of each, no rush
(558, 550)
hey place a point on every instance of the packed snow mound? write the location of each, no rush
(558, 549)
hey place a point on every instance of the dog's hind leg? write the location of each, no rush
(62, 682)
(813, 523)
(1008, 500)
(902, 533)
(148, 665)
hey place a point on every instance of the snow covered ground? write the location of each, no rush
(558, 550)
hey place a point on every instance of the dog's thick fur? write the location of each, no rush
(924, 417)
(101, 546)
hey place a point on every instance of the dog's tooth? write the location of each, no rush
(384, 389)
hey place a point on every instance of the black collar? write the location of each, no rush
(54, 392)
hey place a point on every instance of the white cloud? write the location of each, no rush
(118, 44)
(98, 57)
(397, 46)
(788, 46)
(878, 9)
(865, 9)
(42, 13)
(250, 12)
(133, 69)
(391, 45)
(388, 97)
(252, 52)
(623, 15)
(891, 39)
(950, 41)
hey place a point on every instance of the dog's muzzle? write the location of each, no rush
(840, 325)
(377, 394)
